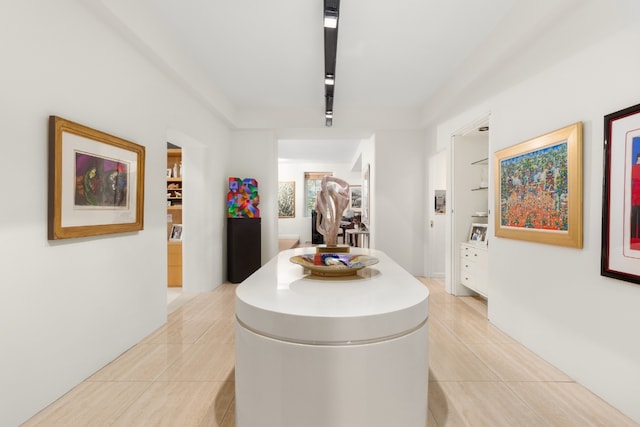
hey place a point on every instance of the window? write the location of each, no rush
(312, 181)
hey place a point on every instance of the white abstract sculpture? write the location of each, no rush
(331, 202)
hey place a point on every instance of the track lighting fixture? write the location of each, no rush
(330, 18)
(331, 13)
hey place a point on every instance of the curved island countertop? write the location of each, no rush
(283, 301)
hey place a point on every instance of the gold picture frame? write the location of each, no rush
(538, 189)
(96, 182)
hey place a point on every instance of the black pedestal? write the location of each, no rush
(316, 237)
(243, 248)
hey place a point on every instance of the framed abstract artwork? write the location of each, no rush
(96, 182)
(538, 189)
(286, 199)
(621, 196)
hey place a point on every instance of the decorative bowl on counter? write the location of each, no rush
(333, 264)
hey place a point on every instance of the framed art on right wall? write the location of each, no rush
(620, 256)
(538, 189)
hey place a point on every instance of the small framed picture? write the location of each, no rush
(286, 199)
(355, 198)
(176, 233)
(440, 202)
(478, 234)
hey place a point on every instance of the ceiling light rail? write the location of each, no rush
(331, 15)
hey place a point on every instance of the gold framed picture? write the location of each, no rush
(538, 189)
(96, 182)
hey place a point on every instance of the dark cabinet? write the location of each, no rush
(243, 248)
(316, 237)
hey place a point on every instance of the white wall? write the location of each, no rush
(551, 298)
(202, 215)
(255, 155)
(398, 176)
(293, 171)
(69, 307)
(583, 323)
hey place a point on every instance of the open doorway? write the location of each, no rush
(470, 209)
(174, 221)
(297, 159)
(439, 208)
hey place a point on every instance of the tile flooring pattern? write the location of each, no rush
(182, 375)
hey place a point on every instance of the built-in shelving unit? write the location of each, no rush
(483, 185)
(470, 197)
(483, 178)
(473, 257)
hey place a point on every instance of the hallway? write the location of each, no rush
(183, 374)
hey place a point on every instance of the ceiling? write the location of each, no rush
(317, 151)
(260, 64)
(270, 54)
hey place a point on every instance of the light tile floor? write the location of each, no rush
(183, 374)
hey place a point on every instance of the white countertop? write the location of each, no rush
(282, 301)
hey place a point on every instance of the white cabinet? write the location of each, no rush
(474, 268)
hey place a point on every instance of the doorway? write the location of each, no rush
(174, 216)
(470, 209)
(296, 157)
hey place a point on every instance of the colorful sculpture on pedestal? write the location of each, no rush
(243, 198)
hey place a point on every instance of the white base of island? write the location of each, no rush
(286, 384)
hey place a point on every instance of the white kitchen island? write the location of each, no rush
(331, 352)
